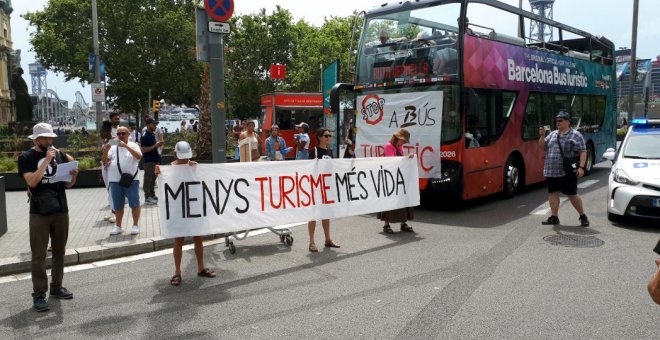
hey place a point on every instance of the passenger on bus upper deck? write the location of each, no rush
(466, 24)
(384, 37)
(445, 61)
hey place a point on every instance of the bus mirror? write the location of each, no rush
(335, 94)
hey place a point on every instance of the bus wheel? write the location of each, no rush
(591, 157)
(511, 178)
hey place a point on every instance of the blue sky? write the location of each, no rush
(612, 19)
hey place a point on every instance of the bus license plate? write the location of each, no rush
(656, 202)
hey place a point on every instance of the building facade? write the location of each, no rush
(6, 59)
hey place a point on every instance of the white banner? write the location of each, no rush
(218, 198)
(380, 115)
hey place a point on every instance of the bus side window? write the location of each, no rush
(532, 119)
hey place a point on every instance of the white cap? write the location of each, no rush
(183, 150)
(42, 130)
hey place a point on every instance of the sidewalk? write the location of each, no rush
(89, 234)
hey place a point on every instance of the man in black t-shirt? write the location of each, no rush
(151, 158)
(49, 213)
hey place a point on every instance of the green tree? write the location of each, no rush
(146, 44)
(259, 40)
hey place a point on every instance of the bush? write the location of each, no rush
(172, 138)
(4, 130)
(621, 131)
(87, 163)
(8, 164)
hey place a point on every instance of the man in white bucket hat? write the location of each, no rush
(49, 213)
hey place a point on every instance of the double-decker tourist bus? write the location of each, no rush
(473, 87)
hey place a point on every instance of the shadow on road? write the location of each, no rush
(493, 211)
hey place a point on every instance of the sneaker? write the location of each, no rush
(584, 221)
(135, 230)
(553, 220)
(116, 230)
(62, 293)
(150, 201)
(112, 219)
(39, 304)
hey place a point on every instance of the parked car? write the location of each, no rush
(634, 182)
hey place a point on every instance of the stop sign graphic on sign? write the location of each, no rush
(219, 10)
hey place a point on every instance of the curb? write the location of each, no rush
(21, 264)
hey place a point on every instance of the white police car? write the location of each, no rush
(634, 183)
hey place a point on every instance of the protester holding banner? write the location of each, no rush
(122, 159)
(392, 149)
(321, 151)
(249, 144)
(183, 154)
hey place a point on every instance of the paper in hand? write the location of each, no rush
(63, 173)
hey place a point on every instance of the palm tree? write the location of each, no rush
(204, 139)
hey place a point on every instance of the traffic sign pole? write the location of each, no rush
(97, 71)
(217, 80)
(220, 10)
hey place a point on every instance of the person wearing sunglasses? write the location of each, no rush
(122, 160)
(572, 144)
(321, 151)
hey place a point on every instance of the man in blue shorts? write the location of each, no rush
(122, 159)
(572, 144)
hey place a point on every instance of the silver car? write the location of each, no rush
(634, 182)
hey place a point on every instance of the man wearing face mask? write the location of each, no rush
(49, 213)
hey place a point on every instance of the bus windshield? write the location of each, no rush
(410, 44)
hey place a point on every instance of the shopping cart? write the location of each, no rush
(282, 231)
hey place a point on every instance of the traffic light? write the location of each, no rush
(155, 105)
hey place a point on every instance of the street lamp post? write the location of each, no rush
(97, 66)
(633, 63)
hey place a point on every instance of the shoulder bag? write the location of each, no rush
(570, 164)
(126, 179)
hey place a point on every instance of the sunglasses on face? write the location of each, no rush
(327, 136)
(121, 133)
(559, 120)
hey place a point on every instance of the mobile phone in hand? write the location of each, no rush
(657, 248)
(113, 142)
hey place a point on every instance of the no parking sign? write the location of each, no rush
(219, 10)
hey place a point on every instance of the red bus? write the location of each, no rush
(474, 92)
(288, 109)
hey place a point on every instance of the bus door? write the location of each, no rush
(486, 146)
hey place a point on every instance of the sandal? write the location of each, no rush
(387, 229)
(331, 244)
(206, 273)
(176, 280)
(407, 228)
(312, 248)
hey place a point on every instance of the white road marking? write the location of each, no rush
(132, 258)
(588, 183)
(544, 208)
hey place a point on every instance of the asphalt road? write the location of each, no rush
(486, 270)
